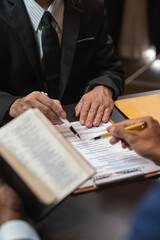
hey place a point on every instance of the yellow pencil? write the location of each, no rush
(138, 126)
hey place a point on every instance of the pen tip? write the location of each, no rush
(78, 136)
(92, 139)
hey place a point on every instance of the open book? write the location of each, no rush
(112, 162)
(39, 162)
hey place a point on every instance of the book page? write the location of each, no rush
(33, 144)
(140, 106)
(111, 162)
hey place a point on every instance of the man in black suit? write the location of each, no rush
(89, 72)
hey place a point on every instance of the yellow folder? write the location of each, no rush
(140, 106)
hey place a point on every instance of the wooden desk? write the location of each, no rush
(101, 215)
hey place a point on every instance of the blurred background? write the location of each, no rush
(133, 25)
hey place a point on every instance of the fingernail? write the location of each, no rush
(105, 119)
(88, 124)
(95, 122)
(82, 122)
(63, 115)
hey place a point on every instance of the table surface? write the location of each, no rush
(99, 215)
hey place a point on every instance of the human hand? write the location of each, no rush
(145, 142)
(50, 107)
(11, 206)
(95, 106)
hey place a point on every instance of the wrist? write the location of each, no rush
(105, 89)
(14, 108)
(9, 214)
(155, 156)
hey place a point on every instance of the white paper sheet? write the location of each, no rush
(111, 162)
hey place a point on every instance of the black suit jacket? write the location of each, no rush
(87, 54)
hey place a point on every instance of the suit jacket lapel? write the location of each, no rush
(21, 24)
(72, 19)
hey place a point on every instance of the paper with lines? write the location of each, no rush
(110, 161)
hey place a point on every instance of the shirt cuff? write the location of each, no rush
(17, 229)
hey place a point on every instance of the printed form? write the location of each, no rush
(111, 162)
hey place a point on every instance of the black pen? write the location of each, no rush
(66, 122)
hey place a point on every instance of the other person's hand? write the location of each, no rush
(145, 142)
(50, 107)
(11, 206)
(95, 107)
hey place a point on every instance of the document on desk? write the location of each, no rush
(111, 162)
(140, 106)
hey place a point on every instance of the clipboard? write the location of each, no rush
(104, 184)
(97, 150)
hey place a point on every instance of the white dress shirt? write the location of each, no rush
(18, 230)
(35, 12)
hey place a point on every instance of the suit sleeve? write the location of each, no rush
(107, 68)
(6, 101)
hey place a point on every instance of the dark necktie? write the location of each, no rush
(51, 55)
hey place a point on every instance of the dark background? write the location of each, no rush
(115, 14)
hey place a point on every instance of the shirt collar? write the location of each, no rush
(36, 12)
